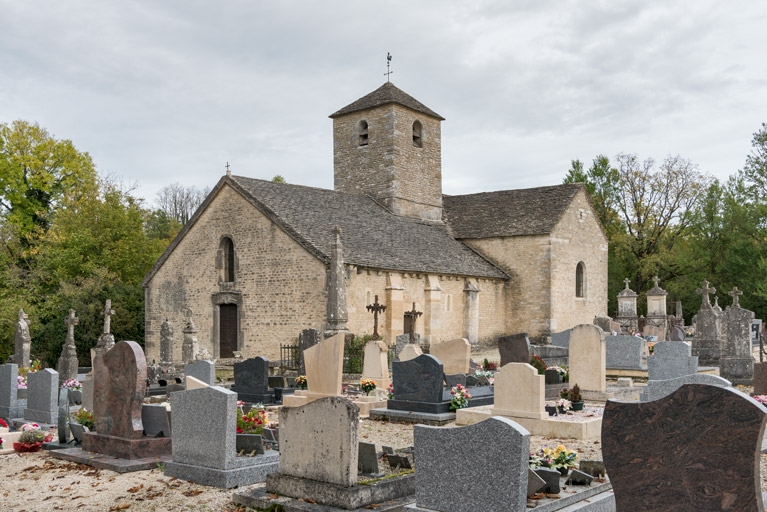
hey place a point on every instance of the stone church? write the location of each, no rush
(254, 262)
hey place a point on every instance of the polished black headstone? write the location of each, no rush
(418, 380)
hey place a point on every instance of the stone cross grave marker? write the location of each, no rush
(588, 358)
(42, 396)
(704, 291)
(514, 348)
(68, 364)
(736, 361)
(375, 308)
(649, 461)
(454, 355)
(498, 483)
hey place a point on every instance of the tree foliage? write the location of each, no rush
(179, 202)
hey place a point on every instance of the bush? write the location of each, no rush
(538, 364)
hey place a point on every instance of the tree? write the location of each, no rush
(179, 202)
(754, 172)
(278, 179)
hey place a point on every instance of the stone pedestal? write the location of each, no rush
(738, 370)
(124, 448)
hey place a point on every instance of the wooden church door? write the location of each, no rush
(227, 330)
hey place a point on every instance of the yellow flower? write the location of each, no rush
(561, 448)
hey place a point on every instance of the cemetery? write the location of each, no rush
(533, 433)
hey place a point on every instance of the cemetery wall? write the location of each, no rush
(578, 238)
(282, 285)
(408, 179)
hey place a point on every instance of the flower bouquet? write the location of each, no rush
(253, 422)
(21, 382)
(390, 391)
(563, 405)
(85, 418)
(301, 381)
(559, 458)
(31, 438)
(72, 384)
(460, 398)
(367, 385)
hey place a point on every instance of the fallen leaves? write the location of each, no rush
(191, 493)
(123, 506)
(136, 489)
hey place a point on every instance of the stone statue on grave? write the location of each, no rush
(22, 341)
(189, 347)
(166, 344)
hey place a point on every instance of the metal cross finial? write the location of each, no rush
(388, 62)
(626, 282)
(375, 308)
(705, 291)
(228, 172)
(735, 294)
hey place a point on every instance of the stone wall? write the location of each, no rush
(405, 178)
(280, 287)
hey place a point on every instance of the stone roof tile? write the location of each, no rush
(387, 93)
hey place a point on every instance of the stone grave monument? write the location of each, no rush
(203, 370)
(409, 351)
(22, 341)
(624, 352)
(68, 364)
(588, 360)
(42, 396)
(514, 348)
(656, 321)
(306, 340)
(707, 342)
(627, 309)
(204, 452)
(454, 355)
(498, 483)
(324, 371)
(376, 363)
(190, 346)
(670, 367)
(736, 360)
(10, 406)
(703, 455)
(251, 381)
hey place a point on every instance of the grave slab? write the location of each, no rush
(251, 381)
(588, 358)
(551, 426)
(103, 461)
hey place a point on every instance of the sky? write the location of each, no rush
(162, 92)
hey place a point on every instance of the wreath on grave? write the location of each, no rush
(31, 438)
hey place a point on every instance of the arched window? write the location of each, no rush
(417, 132)
(580, 280)
(362, 128)
(227, 260)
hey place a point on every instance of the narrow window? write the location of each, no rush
(580, 280)
(227, 248)
(363, 132)
(417, 130)
(448, 303)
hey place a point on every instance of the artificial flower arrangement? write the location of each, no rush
(367, 385)
(563, 404)
(3, 423)
(762, 399)
(390, 391)
(489, 365)
(560, 458)
(563, 372)
(539, 364)
(31, 438)
(72, 384)
(85, 418)
(460, 398)
(253, 422)
(301, 381)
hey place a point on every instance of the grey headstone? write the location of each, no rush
(551, 477)
(737, 363)
(202, 370)
(626, 352)
(155, 420)
(63, 423)
(471, 380)
(579, 478)
(249, 443)
(677, 333)
(595, 468)
(760, 378)
(10, 406)
(400, 342)
(488, 489)
(418, 380)
(656, 389)
(561, 339)
(452, 380)
(670, 360)
(534, 482)
(78, 431)
(43, 396)
(514, 349)
(399, 461)
(251, 377)
(368, 459)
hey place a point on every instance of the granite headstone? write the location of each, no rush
(42, 396)
(202, 370)
(514, 349)
(418, 380)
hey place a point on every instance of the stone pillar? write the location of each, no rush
(67, 366)
(471, 311)
(190, 347)
(166, 344)
(432, 309)
(22, 341)
(395, 307)
(337, 314)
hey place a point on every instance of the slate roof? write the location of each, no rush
(529, 211)
(371, 235)
(387, 93)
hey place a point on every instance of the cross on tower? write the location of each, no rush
(412, 315)
(388, 61)
(735, 294)
(375, 308)
(107, 313)
(71, 320)
(704, 290)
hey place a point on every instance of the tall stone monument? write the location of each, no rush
(656, 322)
(67, 366)
(737, 362)
(166, 344)
(708, 334)
(190, 346)
(106, 340)
(337, 314)
(627, 309)
(22, 341)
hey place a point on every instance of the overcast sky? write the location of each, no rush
(160, 92)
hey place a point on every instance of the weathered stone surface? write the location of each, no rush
(561, 339)
(401, 341)
(166, 343)
(367, 458)
(251, 380)
(514, 349)
(592, 467)
(22, 341)
(67, 364)
(656, 389)
(534, 482)
(318, 441)
(204, 371)
(10, 406)
(551, 477)
(459, 378)
(677, 333)
(409, 352)
(626, 352)
(63, 417)
(605, 323)
(43, 396)
(324, 366)
(307, 339)
(376, 363)
(670, 360)
(760, 379)
(552, 355)
(498, 483)
(588, 358)
(697, 449)
(419, 379)
(454, 355)
(520, 392)
(579, 478)
(737, 363)
(119, 387)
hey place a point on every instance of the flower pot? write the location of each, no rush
(551, 409)
(561, 410)
(563, 471)
(75, 397)
(27, 447)
(577, 406)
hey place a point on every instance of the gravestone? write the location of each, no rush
(204, 371)
(670, 360)
(154, 418)
(367, 459)
(401, 341)
(410, 351)
(67, 365)
(306, 340)
(677, 333)
(706, 343)
(514, 349)
(204, 441)
(10, 406)
(376, 363)
(605, 323)
(42, 396)
(418, 380)
(324, 366)
(166, 344)
(62, 425)
(459, 378)
(497, 484)
(118, 392)
(520, 392)
(193, 383)
(454, 355)
(626, 353)
(251, 380)
(760, 379)
(736, 362)
(703, 455)
(561, 339)
(22, 341)
(588, 358)
(656, 389)
(324, 448)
